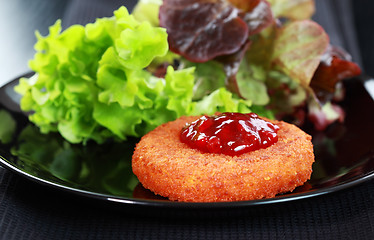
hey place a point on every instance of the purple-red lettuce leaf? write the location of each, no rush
(201, 30)
(335, 66)
(258, 16)
(326, 87)
(298, 49)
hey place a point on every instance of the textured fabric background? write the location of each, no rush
(31, 211)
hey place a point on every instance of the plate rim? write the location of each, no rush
(174, 204)
(8, 165)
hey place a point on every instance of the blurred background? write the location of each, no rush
(348, 23)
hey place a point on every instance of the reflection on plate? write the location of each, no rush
(344, 157)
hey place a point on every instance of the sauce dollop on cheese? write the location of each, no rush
(230, 133)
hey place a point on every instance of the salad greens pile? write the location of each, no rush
(270, 52)
(90, 82)
(122, 76)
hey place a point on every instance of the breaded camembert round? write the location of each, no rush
(172, 169)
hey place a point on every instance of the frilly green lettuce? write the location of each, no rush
(147, 10)
(91, 82)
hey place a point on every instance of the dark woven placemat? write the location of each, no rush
(31, 211)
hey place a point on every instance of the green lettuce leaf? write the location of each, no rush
(147, 10)
(209, 76)
(153, 101)
(251, 82)
(293, 9)
(138, 47)
(221, 100)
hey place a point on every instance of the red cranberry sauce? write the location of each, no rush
(230, 133)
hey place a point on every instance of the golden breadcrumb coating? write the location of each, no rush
(172, 169)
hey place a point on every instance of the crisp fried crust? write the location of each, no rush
(172, 169)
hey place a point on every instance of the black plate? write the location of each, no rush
(344, 157)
